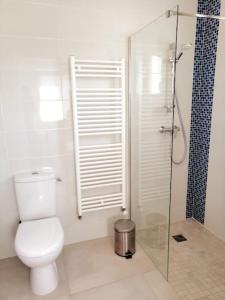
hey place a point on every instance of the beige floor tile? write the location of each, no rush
(64, 298)
(161, 288)
(133, 288)
(197, 266)
(60, 298)
(14, 280)
(94, 263)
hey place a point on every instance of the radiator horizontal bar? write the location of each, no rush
(97, 66)
(107, 198)
(101, 185)
(80, 104)
(100, 153)
(101, 158)
(97, 95)
(102, 196)
(96, 171)
(94, 151)
(100, 162)
(98, 75)
(100, 174)
(97, 71)
(97, 89)
(100, 133)
(84, 108)
(85, 96)
(103, 128)
(102, 207)
(98, 61)
(100, 121)
(101, 203)
(108, 177)
(98, 101)
(109, 112)
(92, 117)
(100, 146)
(110, 180)
(100, 125)
(99, 166)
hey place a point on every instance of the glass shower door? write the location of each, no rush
(152, 77)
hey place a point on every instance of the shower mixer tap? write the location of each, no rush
(175, 129)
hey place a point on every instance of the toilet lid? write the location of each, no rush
(39, 237)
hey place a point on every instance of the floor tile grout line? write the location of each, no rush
(108, 284)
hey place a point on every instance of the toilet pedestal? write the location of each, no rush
(44, 279)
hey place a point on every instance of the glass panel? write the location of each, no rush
(152, 71)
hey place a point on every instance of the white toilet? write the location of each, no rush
(39, 238)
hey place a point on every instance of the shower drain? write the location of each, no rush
(179, 238)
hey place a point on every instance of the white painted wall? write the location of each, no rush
(37, 37)
(215, 200)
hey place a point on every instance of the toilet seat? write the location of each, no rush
(38, 238)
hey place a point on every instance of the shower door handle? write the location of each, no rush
(164, 129)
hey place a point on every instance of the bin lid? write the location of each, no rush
(124, 225)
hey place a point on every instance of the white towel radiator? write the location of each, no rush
(98, 98)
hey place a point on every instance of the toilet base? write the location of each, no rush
(44, 279)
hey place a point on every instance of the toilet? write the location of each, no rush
(40, 237)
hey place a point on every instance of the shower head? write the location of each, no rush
(184, 47)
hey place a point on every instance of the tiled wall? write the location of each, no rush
(202, 101)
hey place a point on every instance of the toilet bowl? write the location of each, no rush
(38, 243)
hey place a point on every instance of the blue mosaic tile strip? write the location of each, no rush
(202, 101)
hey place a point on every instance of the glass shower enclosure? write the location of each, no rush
(152, 79)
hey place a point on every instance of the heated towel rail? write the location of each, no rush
(98, 100)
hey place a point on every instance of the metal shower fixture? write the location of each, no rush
(184, 47)
(170, 13)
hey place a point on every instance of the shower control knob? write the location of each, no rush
(164, 129)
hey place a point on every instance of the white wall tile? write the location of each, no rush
(215, 204)
(19, 18)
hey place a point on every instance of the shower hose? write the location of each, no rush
(183, 132)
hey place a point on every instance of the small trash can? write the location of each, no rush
(124, 238)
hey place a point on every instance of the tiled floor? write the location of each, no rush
(89, 271)
(197, 266)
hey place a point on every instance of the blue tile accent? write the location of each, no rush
(202, 101)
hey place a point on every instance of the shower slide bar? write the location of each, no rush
(99, 119)
(170, 13)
